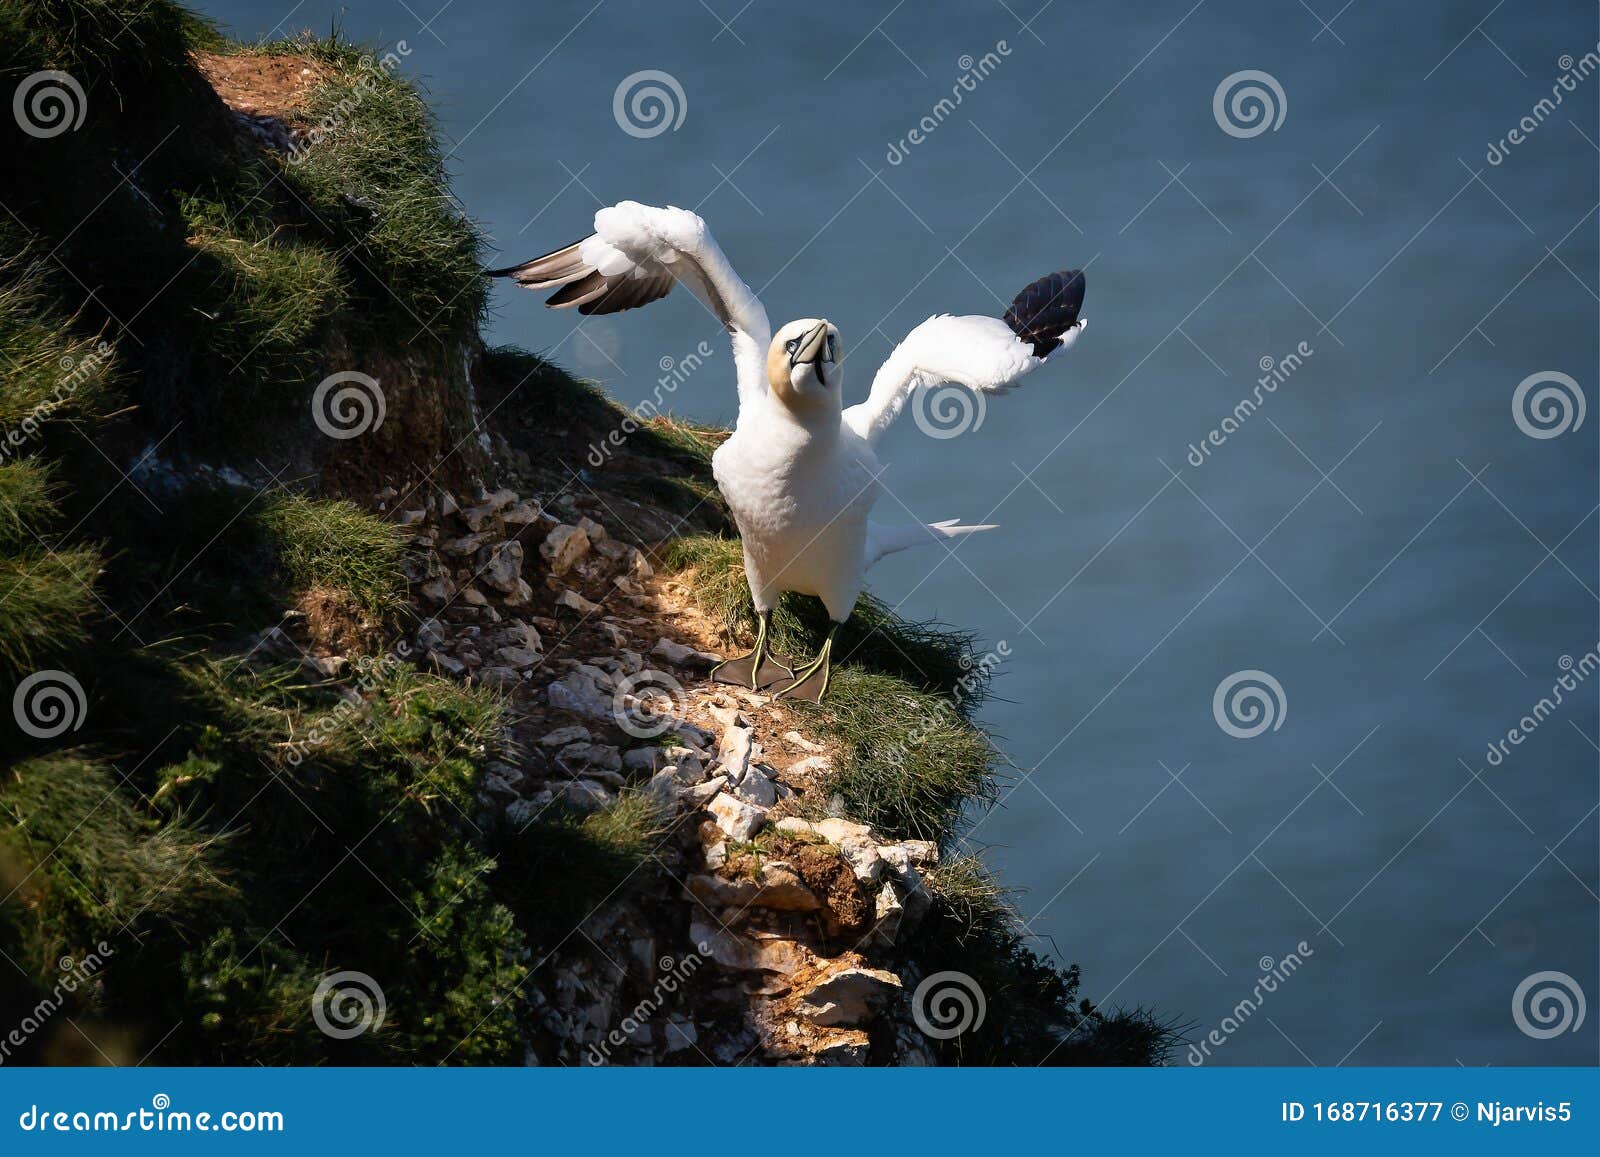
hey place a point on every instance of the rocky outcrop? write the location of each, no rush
(780, 918)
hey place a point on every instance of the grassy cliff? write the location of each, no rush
(218, 829)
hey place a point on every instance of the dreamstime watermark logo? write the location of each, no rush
(348, 404)
(648, 103)
(947, 410)
(979, 669)
(1247, 703)
(370, 676)
(947, 1004)
(1548, 1004)
(74, 975)
(1274, 373)
(49, 703)
(48, 104)
(674, 973)
(1274, 973)
(1571, 73)
(1248, 103)
(973, 73)
(347, 1004)
(1548, 404)
(1574, 672)
(674, 372)
(648, 703)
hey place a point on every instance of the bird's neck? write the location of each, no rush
(817, 418)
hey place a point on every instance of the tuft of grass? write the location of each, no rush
(47, 596)
(95, 866)
(910, 764)
(334, 545)
(375, 176)
(927, 656)
(46, 602)
(50, 372)
(271, 294)
(27, 500)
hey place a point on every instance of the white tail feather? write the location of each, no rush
(883, 540)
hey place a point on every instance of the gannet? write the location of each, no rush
(800, 471)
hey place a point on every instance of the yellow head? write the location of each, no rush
(803, 364)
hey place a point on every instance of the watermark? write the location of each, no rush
(1248, 702)
(369, 71)
(160, 1117)
(75, 372)
(348, 1004)
(1571, 73)
(1548, 404)
(49, 703)
(348, 404)
(674, 372)
(370, 675)
(947, 410)
(48, 104)
(674, 974)
(648, 103)
(1548, 1004)
(648, 703)
(1273, 974)
(1575, 673)
(947, 1004)
(973, 73)
(1248, 103)
(74, 975)
(1274, 373)
(980, 670)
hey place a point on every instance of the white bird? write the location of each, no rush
(800, 471)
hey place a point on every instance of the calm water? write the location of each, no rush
(1377, 536)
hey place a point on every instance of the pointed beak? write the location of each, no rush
(811, 346)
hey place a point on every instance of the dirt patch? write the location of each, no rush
(831, 880)
(334, 622)
(273, 86)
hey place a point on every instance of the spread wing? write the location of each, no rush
(988, 354)
(634, 256)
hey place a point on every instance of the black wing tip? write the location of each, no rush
(1046, 309)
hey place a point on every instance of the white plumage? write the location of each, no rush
(800, 473)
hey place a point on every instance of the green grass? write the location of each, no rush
(413, 253)
(94, 863)
(926, 656)
(911, 765)
(334, 545)
(273, 293)
(49, 370)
